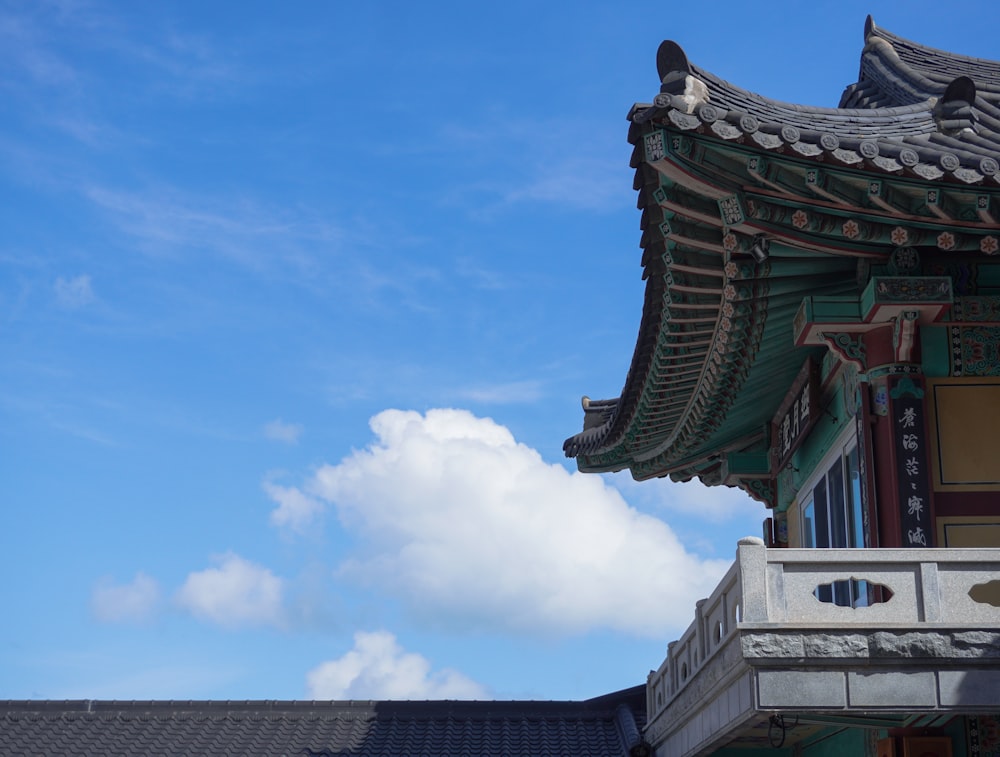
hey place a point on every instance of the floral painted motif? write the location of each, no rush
(904, 260)
(946, 240)
(800, 219)
(851, 229)
(899, 236)
(980, 350)
(989, 245)
(729, 242)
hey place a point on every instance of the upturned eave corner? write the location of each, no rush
(753, 208)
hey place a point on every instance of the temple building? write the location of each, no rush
(821, 328)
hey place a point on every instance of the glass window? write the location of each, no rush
(832, 516)
(808, 524)
(857, 518)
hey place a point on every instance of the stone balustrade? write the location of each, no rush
(833, 630)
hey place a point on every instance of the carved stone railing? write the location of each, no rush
(831, 630)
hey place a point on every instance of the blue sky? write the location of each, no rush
(296, 308)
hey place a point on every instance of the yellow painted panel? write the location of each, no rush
(968, 530)
(972, 535)
(965, 417)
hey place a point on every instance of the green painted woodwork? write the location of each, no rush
(833, 310)
(832, 422)
(716, 352)
(834, 743)
(906, 387)
(904, 290)
(748, 463)
(958, 730)
(802, 180)
(988, 276)
(935, 350)
(979, 350)
(764, 751)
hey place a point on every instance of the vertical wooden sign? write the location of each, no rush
(912, 472)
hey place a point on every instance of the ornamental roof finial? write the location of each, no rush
(677, 79)
(869, 27)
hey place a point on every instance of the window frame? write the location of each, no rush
(850, 529)
(836, 515)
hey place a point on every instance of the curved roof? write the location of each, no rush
(891, 65)
(913, 109)
(909, 159)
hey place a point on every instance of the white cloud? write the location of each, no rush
(379, 668)
(717, 504)
(133, 602)
(295, 509)
(709, 519)
(75, 292)
(464, 523)
(236, 593)
(279, 431)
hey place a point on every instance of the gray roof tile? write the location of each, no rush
(906, 93)
(598, 727)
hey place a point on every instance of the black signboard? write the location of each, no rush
(912, 475)
(796, 415)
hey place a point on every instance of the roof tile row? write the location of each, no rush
(341, 729)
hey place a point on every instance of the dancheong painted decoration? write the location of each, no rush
(821, 328)
(774, 233)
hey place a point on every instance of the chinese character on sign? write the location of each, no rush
(915, 505)
(917, 536)
(910, 442)
(912, 467)
(909, 417)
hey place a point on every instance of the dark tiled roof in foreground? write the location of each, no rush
(604, 727)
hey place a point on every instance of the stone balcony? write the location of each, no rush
(877, 637)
